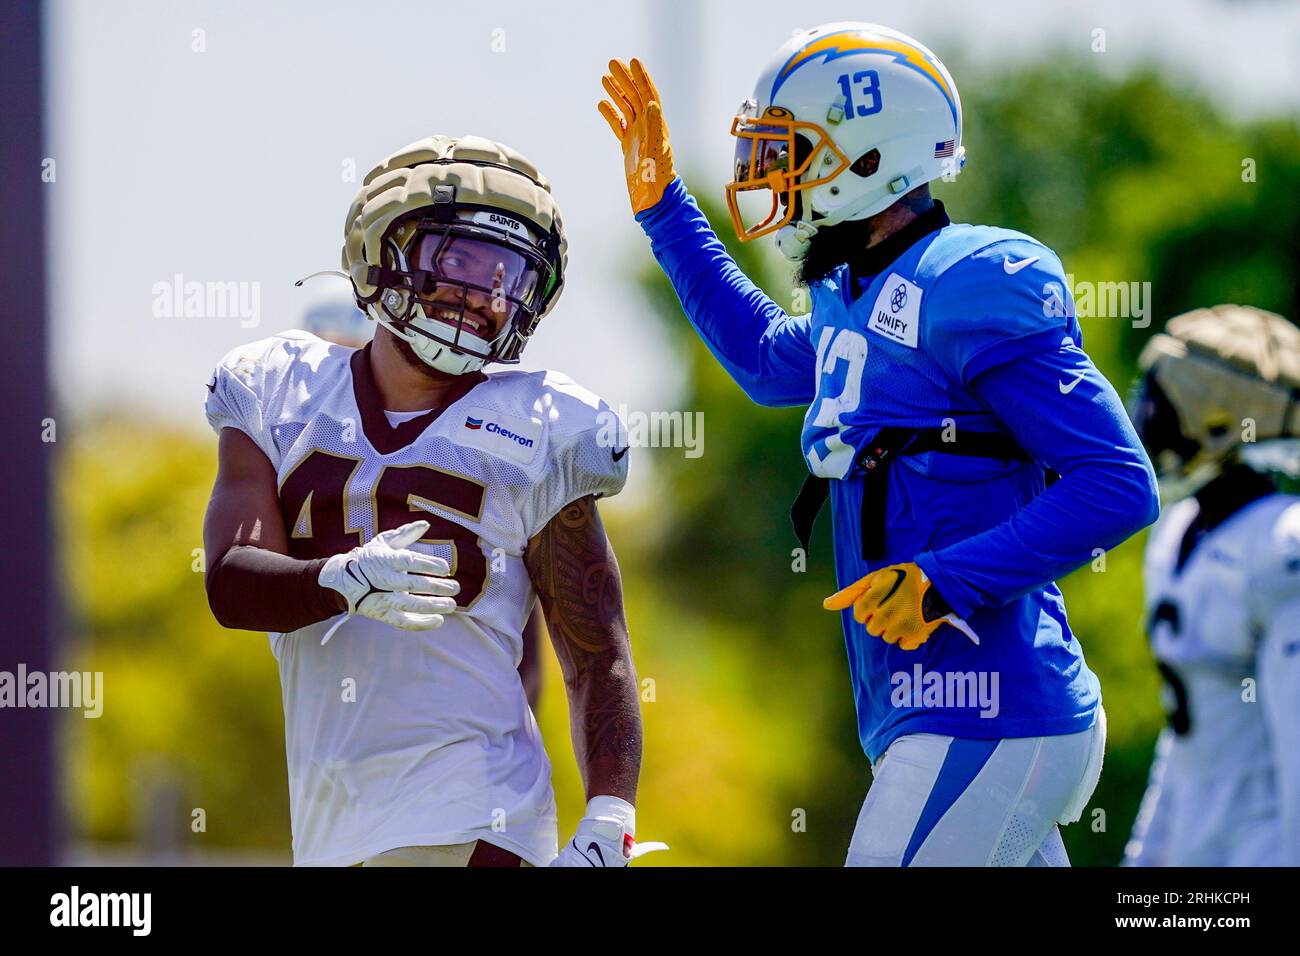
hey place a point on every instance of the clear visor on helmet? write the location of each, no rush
(773, 154)
(761, 150)
(478, 283)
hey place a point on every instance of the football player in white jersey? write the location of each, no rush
(342, 323)
(1216, 408)
(393, 513)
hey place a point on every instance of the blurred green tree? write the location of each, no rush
(187, 705)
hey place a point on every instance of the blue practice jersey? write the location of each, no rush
(970, 329)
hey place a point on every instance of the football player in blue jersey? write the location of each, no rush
(945, 380)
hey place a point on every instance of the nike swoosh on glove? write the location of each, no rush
(891, 604)
(605, 836)
(641, 131)
(386, 581)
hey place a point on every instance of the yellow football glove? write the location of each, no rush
(647, 157)
(889, 602)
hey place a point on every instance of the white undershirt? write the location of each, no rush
(398, 418)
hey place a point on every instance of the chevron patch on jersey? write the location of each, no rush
(506, 436)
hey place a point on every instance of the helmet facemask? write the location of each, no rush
(1173, 454)
(455, 245)
(774, 164)
(868, 100)
(463, 289)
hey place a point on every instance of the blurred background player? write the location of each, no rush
(338, 320)
(943, 370)
(1216, 408)
(366, 493)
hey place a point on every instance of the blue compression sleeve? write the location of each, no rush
(768, 353)
(1107, 490)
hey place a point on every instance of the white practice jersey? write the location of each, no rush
(408, 738)
(1225, 631)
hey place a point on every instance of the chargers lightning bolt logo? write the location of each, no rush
(832, 46)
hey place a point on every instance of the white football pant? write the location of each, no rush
(948, 801)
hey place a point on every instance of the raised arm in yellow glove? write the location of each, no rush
(634, 114)
(899, 605)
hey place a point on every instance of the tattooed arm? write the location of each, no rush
(576, 577)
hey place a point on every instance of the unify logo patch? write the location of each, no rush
(896, 313)
(505, 435)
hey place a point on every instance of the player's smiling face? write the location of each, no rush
(479, 319)
(484, 275)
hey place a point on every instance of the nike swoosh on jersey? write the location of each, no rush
(1066, 389)
(1011, 268)
(618, 453)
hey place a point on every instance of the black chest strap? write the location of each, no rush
(874, 462)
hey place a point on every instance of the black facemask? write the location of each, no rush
(1156, 421)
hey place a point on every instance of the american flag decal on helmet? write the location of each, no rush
(944, 149)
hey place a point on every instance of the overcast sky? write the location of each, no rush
(229, 164)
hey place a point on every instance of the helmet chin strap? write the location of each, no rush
(433, 353)
(1177, 487)
(443, 358)
(793, 239)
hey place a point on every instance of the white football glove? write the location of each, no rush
(605, 836)
(386, 581)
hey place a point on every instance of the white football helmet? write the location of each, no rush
(845, 119)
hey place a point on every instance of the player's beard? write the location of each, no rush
(831, 247)
(407, 352)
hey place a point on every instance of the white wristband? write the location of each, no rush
(615, 808)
